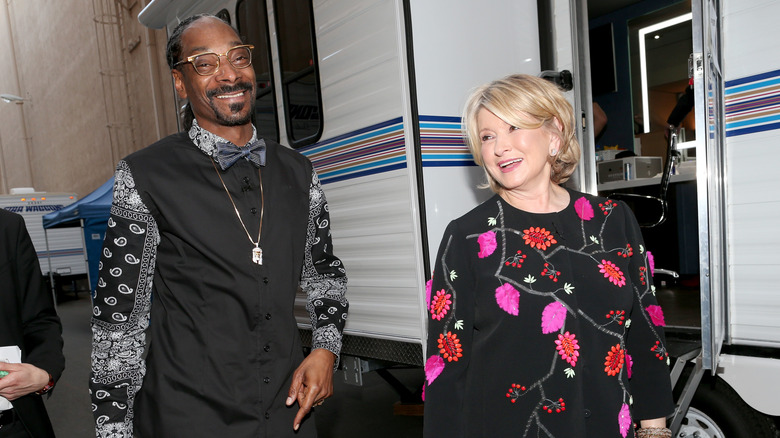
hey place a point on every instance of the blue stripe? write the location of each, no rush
(432, 125)
(756, 121)
(351, 134)
(330, 145)
(753, 129)
(434, 157)
(754, 78)
(752, 86)
(367, 165)
(468, 163)
(439, 119)
(365, 173)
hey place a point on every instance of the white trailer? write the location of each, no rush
(61, 250)
(373, 96)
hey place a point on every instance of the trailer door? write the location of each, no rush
(711, 175)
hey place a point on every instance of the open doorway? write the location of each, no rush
(640, 72)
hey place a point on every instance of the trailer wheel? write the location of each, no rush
(717, 411)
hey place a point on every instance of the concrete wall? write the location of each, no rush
(95, 85)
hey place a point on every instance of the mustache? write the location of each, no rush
(227, 89)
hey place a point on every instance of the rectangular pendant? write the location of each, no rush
(257, 255)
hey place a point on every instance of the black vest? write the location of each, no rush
(223, 337)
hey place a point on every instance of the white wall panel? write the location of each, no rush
(359, 61)
(458, 46)
(751, 174)
(376, 240)
(749, 42)
(750, 37)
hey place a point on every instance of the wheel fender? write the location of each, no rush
(754, 379)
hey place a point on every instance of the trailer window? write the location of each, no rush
(300, 78)
(252, 23)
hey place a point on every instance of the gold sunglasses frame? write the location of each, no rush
(191, 59)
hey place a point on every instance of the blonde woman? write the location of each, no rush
(542, 317)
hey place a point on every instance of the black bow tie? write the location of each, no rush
(228, 153)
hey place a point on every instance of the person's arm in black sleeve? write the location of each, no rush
(42, 361)
(650, 380)
(450, 300)
(121, 305)
(324, 280)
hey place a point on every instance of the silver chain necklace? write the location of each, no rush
(257, 252)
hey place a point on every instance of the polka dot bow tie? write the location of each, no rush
(228, 153)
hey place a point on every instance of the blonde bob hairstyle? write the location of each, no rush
(538, 99)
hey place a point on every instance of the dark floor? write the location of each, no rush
(680, 301)
(365, 411)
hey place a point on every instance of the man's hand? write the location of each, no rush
(22, 379)
(312, 383)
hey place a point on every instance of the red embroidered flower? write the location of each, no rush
(514, 392)
(567, 347)
(607, 206)
(440, 305)
(618, 316)
(643, 275)
(450, 347)
(550, 272)
(538, 238)
(626, 252)
(556, 406)
(516, 261)
(612, 272)
(659, 350)
(614, 360)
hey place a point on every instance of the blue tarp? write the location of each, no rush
(94, 209)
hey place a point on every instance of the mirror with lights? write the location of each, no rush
(660, 46)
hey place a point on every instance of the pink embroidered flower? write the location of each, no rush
(440, 305)
(553, 317)
(629, 364)
(433, 367)
(567, 347)
(423, 392)
(651, 262)
(428, 285)
(584, 209)
(656, 315)
(487, 244)
(624, 420)
(508, 298)
(612, 272)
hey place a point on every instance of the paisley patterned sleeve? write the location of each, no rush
(121, 303)
(323, 277)
(645, 343)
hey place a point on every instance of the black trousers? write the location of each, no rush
(12, 428)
